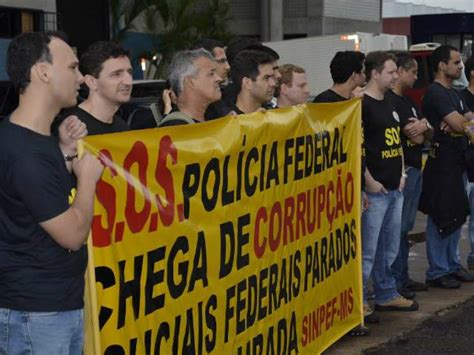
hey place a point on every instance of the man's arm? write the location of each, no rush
(71, 228)
(411, 130)
(69, 131)
(456, 121)
(469, 128)
(372, 185)
(430, 130)
(418, 130)
(403, 175)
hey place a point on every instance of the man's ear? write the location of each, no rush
(442, 65)
(247, 83)
(284, 89)
(374, 74)
(91, 82)
(41, 71)
(188, 81)
(352, 77)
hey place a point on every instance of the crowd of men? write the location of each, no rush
(47, 192)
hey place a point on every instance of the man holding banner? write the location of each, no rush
(292, 88)
(194, 80)
(44, 219)
(253, 74)
(108, 75)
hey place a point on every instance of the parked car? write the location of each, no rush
(422, 52)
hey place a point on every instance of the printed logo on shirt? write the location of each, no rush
(392, 138)
(414, 112)
(395, 116)
(392, 153)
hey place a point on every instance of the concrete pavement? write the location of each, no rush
(432, 302)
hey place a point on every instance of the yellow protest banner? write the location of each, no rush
(240, 235)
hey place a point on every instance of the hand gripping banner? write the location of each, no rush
(235, 236)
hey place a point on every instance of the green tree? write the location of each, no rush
(123, 13)
(173, 25)
(215, 21)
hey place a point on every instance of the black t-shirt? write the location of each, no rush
(405, 109)
(329, 96)
(36, 273)
(216, 110)
(94, 126)
(382, 141)
(439, 102)
(468, 99)
(237, 110)
(229, 94)
(469, 156)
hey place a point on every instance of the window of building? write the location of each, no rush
(27, 23)
(14, 21)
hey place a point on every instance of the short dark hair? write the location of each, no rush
(24, 51)
(344, 63)
(241, 44)
(376, 60)
(208, 44)
(246, 65)
(441, 54)
(93, 58)
(468, 67)
(404, 60)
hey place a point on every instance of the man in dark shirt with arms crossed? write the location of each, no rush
(414, 130)
(443, 197)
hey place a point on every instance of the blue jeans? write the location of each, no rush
(381, 224)
(443, 256)
(470, 192)
(411, 197)
(49, 333)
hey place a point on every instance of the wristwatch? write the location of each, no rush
(70, 157)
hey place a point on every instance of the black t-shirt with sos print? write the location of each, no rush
(382, 141)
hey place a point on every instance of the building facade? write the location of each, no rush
(275, 20)
(19, 16)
